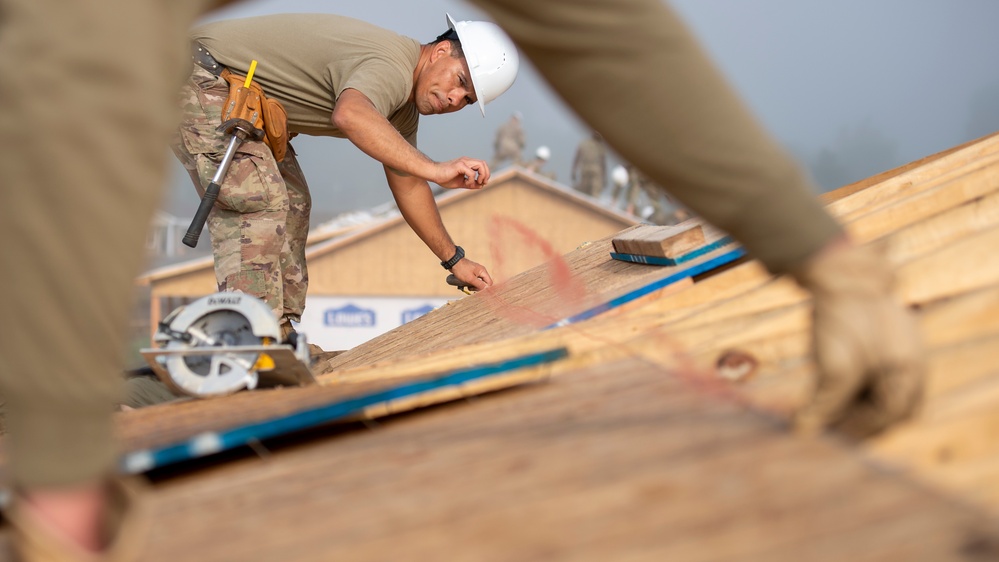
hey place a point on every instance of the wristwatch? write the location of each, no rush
(459, 253)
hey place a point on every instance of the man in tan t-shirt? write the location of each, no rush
(336, 77)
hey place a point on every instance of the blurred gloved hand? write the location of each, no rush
(871, 366)
(127, 526)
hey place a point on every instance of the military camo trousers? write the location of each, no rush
(261, 219)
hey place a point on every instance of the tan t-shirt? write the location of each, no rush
(307, 60)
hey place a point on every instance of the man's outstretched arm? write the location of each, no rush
(418, 207)
(357, 117)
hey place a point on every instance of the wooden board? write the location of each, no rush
(941, 170)
(176, 432)
(618, 462)
(660, 241)
(850, 189)
(681, 259)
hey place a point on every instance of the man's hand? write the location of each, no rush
(464, 172)
(866, 344)
(472, 274)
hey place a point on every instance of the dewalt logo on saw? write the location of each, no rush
(224, 301)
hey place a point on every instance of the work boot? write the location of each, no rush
(128, 523)
(871, 366)
(290, 336)
(288, 333)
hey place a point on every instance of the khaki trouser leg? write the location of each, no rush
(632, 70)
(81, 176)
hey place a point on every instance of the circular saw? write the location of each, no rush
(224, 343)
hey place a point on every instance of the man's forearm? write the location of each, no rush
(417, 204)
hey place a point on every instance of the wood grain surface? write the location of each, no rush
(619, 461)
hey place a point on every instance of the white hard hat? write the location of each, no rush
(543, 153)
(619, 175)
(491, 55)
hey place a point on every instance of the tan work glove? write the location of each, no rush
(871, 366)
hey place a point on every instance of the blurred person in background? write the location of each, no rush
(589, 167)
(541, 157)
(509, 145)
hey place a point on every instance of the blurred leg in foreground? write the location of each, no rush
(635, 74)
(88, 94)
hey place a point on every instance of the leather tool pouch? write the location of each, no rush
(264, 113)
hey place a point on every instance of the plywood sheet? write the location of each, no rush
(180, 431)
(619, 462)
(582, 284)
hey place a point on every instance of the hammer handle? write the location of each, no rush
(460, 285)
(211, 194)
(200, 217)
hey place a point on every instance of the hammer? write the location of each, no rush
(241, 131)
(460, 285)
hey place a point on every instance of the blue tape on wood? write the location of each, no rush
(215, 441)
(691, 271)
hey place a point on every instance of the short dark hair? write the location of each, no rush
(452, 36)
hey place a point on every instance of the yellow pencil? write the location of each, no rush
(249, 75)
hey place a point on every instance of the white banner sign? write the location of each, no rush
(337, 323)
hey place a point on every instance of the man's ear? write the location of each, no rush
(441, 49)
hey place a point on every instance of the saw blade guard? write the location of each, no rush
(209, 333)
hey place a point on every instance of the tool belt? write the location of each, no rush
(249, 103)
(265, 113)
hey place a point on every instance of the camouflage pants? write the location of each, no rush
(261, 219)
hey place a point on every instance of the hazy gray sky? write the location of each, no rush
(809, 69)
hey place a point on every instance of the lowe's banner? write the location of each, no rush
(336, 323)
